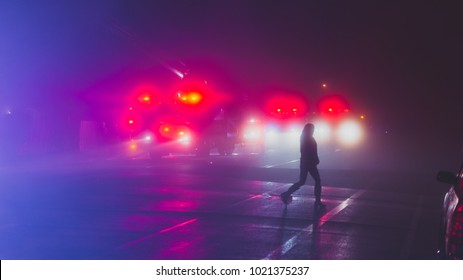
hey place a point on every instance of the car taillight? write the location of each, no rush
(455, 236)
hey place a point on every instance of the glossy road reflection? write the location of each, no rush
(212, 208)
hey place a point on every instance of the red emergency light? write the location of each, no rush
(196, 98)
(190, 97)
(145, 97)
(333, 105)
(130, 122)
(286, 106)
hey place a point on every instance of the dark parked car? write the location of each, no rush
(451, 230)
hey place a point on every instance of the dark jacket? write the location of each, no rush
(309, 152)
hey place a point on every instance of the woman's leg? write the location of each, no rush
(313, 170)
(303, 170)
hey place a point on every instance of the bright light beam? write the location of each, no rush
(350, 133)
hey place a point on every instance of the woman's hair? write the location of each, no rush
(308, 129)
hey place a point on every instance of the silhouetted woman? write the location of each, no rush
(308, 164)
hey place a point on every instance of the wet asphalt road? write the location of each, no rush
(183, 207)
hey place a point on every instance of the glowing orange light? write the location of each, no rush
(173, 130)
(132, 146)
(362, 117)
(144, 98)
(191, 98)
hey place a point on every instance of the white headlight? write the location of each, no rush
(271, 136)
(185, 140)
(322, 132)
(251, 133)
(349, 133)
(146, 137)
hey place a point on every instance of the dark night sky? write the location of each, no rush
(398, 61)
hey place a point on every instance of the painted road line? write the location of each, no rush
(304, 233)
(138, 240)
(179, 225)
(280, 164)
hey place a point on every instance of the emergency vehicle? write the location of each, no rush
(191, 118)
(283, 116)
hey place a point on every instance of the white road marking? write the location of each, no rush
(304, 233)
(278, 252)
(280, 164)
(179, 225)
(133, 242)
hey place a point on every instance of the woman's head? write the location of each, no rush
(308, 129)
